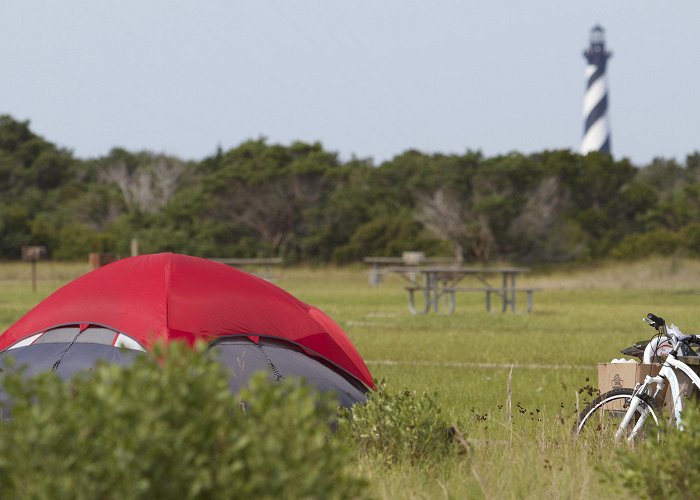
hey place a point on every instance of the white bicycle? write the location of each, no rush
(627, 413)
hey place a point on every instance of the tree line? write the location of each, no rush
(302, 203)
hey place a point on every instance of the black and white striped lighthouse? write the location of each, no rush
(596, 125)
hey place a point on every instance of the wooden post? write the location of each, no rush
(33, 276)
(32, 254)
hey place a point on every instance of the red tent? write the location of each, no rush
(168, 296)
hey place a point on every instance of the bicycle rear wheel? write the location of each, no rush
(603, 416)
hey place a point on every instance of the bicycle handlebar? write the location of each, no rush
(688, 339)
(658, 323)
(655, 321)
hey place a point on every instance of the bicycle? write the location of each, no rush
(626, 411)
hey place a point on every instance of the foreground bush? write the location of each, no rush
(398, 427)
(666, 468)
(169, 429)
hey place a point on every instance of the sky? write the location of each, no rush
(366, 78)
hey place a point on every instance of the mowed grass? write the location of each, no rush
(470, 359)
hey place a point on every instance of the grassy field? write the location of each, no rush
(581, 317)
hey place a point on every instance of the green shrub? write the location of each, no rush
(389, 236)
(398, 427)
(666, 468)
(658, 242)
(169, 429)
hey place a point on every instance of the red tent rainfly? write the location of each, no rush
(137, 301)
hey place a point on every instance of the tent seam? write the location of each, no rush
(168, 275)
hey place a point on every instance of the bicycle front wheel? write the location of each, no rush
(604, 415)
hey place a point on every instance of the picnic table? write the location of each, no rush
(378, 265)
(436, 283)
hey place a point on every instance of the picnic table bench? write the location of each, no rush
(529, 291)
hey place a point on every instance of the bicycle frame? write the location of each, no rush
(675, 386)
(666, 373)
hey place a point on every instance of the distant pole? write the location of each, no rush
(33, 276)
(134, 247)
(32, 254)
(596, 125)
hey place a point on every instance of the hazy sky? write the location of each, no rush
(369, 78)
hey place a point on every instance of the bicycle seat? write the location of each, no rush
(636, 349)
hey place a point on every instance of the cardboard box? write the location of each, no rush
(618, 375)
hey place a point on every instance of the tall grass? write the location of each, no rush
(582, 316)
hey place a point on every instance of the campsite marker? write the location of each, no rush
(33, 254)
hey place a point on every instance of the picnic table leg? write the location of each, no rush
(508, 291)
(449, 295)
(488, 300)
(374, 276)
(504, 292)
(412, 301)
(435, 286)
